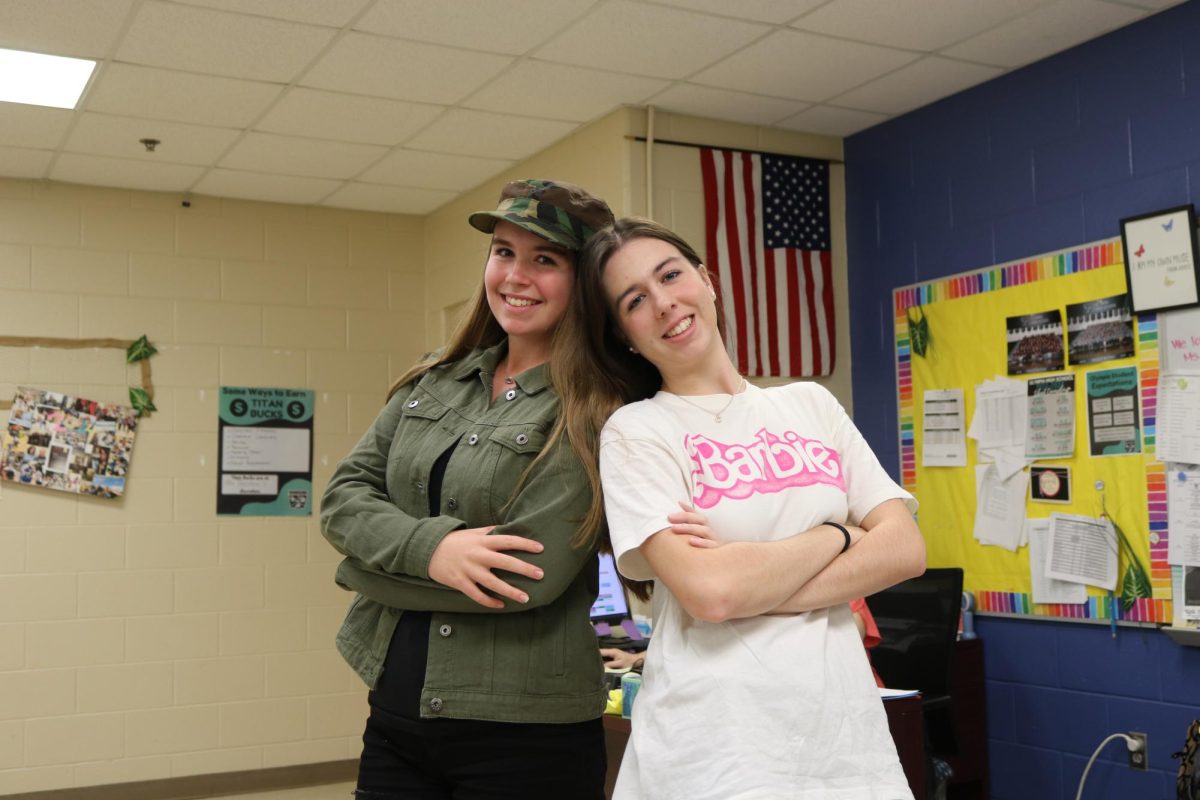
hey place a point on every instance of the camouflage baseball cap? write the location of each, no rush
(561, 213)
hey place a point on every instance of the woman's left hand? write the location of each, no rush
(694, 525)
(619, 659)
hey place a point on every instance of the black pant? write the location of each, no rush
(458, 759)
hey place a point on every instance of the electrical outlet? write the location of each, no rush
(1139, 757)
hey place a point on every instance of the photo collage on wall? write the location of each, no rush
(66, 443)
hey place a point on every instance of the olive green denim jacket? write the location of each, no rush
(532, 662)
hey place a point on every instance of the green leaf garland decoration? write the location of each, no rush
(140, 400)
(139, 350)
(918, 332)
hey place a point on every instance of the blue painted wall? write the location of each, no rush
(1044, 158)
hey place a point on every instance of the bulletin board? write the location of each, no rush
(967, 316)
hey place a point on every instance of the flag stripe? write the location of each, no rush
(826, 313)
(793, 294)
(811, 273)
(733, 251)
(772, 315)
(753, 262)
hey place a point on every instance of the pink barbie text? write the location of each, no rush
(765, 465)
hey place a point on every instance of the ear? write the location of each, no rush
(707, 281)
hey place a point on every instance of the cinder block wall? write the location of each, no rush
(148, 638)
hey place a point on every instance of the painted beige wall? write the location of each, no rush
(594, 157)
(679, 199)
(148, 638)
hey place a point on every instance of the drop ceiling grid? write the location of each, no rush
(401, 104)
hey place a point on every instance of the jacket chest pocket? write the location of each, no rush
(419, 439)
(515, 446)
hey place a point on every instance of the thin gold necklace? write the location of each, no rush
(716, 415)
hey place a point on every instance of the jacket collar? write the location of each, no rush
(483, 361)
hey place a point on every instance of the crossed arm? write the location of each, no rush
(720, 581)
(439, 563)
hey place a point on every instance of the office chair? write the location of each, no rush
(918, 624)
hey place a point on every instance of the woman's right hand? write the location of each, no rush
(694, 525)
(466, 560)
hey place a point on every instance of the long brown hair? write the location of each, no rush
(592, 366)
(479, 328)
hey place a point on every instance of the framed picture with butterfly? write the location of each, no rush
(1162, 267)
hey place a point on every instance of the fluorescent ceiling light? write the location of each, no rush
(42, 80)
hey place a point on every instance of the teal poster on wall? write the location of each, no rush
(265, 452)
(1113, 425)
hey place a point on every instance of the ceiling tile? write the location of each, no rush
(350, 118)
(917, 85)
(105, 135)
(481, 133)
(498, 26)
(32, 126)
(803, 66)
(216, 43)
(433, 170)
(181, 97)
(630, 37)
(82, 28)
(832, 121)
(704, 101)
(257, 186)
(24, 162)
(390, 199)
(925, 25)
(364, 64)
(292, 155)
(334, 13)
(774, 11)
(557, 91)
(124, 173)
(1044, 32)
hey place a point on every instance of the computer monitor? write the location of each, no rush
(611, 605)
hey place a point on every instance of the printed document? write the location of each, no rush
(944, 443)
(1083, 550)
(1046, 589)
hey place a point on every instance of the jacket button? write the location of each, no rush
(522, 438)
(413, 403)
(445, 630)
(473, 439)
(511, 394)
(420, 486)
(435, 704)
(452, 504)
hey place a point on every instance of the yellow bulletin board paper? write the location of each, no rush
(967, 316)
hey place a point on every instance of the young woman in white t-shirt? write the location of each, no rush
(758, 514)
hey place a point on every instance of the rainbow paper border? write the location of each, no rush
(1090, 256)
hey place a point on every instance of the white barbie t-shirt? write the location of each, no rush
(770, 707)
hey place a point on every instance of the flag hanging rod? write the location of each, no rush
(739, 149)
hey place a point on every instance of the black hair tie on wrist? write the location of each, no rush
(845, 533)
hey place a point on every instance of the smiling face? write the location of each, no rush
(528, 283)
(663, 305)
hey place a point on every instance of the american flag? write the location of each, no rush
(768, 233)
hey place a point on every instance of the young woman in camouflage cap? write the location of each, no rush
(469, 527)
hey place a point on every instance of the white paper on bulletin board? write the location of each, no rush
(1179, 340)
